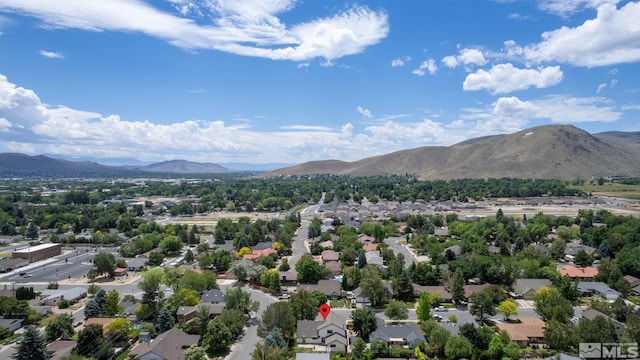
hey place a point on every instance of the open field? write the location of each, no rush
(611, 190)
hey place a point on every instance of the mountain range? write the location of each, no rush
(550, 151)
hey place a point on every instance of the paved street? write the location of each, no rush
(298, 247)
(394, 244)
(243, 348)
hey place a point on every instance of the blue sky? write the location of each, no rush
(282, 81)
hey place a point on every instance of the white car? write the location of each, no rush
(441, 309)
(284, 296)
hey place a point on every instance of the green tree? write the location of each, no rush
(264, 352)
(61, 327)
(582, 258)
(119, 330)
(112, 304)
(284, 265)
(458, 347)
(271, 279)
(189, 257)
(364, 322)
(32, 347)
(397, 310)
(423, 307)
(482, 305)
(93, 289)
(551, 305)
(558, 335)
(182, 297)
(164, 322)
(234, 320)
(156, 258)
(457, 287)
(90, 341)
(372, 285)
(304, 305)
(237, 298)
(309, 271)
(507, 308)
(92, 309)
(278, 315)
(195, 352)
(217, 338)
(170, 244)
(600, 329)
(104, 263)
(150, 284)
(275, 339)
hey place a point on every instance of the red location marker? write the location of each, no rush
(324, 310)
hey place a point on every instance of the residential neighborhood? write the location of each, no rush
(447, 288)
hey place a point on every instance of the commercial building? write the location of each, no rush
(38, 252)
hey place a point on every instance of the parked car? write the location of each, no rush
(77, 323)
(441, 309)
(437, 317)
(284, 296)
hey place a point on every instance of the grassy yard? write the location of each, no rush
(343, 303)
(611, 189)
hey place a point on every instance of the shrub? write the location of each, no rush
(63, 304)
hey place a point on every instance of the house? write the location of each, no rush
(11, 324)
(54, 296)
(289, 277)
(335, 267)
(591, 314)
(455, 250)
(331, 288)
(7, 265)
(366, 239)
(330, 255)
(374, 258)
(257, 254)
(407, 335)
(526, 288)
(594, 288)
(369, 247)
(528, 333)
(575, 246)
(327, 333)
(189, 314)
(474, 288)
(632, 280)
(137, 264)
(120, 272)
(60, 349)
(213, 296)
(170, 345)
(576, 273)
(445, 296)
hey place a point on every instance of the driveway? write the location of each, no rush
(395, 244)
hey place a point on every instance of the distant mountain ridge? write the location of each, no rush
(184, 167)
(550, 151)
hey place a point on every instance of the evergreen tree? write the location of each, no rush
(164, 322)
(189, 257)
(33, 346)
(275, 339)
(362, 260)
(457, 287)
(92, 309)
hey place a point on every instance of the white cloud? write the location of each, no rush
(365, 112)
(613, 37)
(429, 65)
(601, 87)
(401, 61)
(505, 78)
(30, 126)
(565, 8)
(4, 124)
(631, 107)
(242, 27)
(51, 54)
(465, 57)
